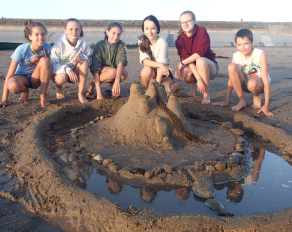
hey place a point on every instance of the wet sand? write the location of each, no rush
(23, 128)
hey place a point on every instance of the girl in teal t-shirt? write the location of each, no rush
(30, 65)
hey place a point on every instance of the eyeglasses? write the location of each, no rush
(186, 23)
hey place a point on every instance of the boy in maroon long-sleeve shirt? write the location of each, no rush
(198, 64)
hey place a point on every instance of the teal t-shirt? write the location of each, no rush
(22, 55)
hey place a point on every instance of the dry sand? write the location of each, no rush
(46, 191)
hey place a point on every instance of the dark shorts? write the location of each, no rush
(245, 81)
(28, 78)
(170, 75)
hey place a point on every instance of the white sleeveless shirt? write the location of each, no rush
(251, 68)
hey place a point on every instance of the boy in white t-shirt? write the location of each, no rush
(248, 73)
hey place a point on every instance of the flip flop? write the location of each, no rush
(109, 92)
(89, 96)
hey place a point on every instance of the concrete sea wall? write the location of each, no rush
(221, 33)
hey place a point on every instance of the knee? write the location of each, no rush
(232, 68)
(201, 63)
(45, 61)
(112, 72)
(146, 72)
(184, 74)
(84, 65)
(13, 87)
(60, 79)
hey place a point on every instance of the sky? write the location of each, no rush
(205, 10)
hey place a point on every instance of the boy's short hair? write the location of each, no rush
(244, 33)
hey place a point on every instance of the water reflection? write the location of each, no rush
(253, 194)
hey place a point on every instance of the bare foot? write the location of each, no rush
(99, 96)
(257, 101)
(44, 102)
(23, 97)
(82, 99)
(59, 94)
(241, 104)
(89, 95)
(206, 99)
(193, 91)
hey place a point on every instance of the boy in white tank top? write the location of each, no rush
(248, 73)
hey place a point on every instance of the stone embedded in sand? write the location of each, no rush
(96, 119)
(224, 213)
(238, 155)
(227, 125)
(214, 121)
(168, 169)
(237, 131)
(214, 204)
(240, 139)
(113, 168)
(233, 161)
(210, 168)
(204, 188)
(199, 167)
(220, 167)
(148, 174)
(240, 149)
(192, 114)
(98, 158)
(107, 162)
(158, 170)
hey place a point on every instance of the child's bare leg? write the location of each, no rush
(41, 77)
(167, 82)
(59, 80)
(255, 85)
(236, 77)
(147, 74)
(82, 71)
(176, 88)
(207, 69)
(18, 84)
(90, 92)
(187, 76)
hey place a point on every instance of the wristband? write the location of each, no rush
(182, 63)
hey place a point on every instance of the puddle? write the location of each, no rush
(267, 188)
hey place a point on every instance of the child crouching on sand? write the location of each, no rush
(153, 51)
(30, 65)
(108, 62)
(71, 56)
(248, 73)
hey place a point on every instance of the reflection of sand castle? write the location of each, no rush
(149, 119)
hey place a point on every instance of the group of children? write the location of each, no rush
(33, 64)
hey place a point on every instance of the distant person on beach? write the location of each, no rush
(108, 62)
(248, 73)
(30, 65)
(71, 56)
(153, 51)
(198, 64)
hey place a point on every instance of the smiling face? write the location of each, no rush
(187, 23)
(245, 46)
(114, 35)
(150, 30)
(38, 36)
(72, 31)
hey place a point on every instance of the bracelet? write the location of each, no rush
(199, 79)
(182, 63)
(4, 101)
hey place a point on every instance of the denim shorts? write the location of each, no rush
(217, 68)
(27, 76)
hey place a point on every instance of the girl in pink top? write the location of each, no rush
(198, 64)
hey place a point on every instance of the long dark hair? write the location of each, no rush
(145, 42)
(111, 25)
(29, 24)
(77, 21)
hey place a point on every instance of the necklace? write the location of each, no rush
(242, 64)
(35, 52)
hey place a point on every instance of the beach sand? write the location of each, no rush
(21, 124)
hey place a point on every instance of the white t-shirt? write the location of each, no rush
(252, 67)
(159, 52)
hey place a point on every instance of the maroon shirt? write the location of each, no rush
(198, 43)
